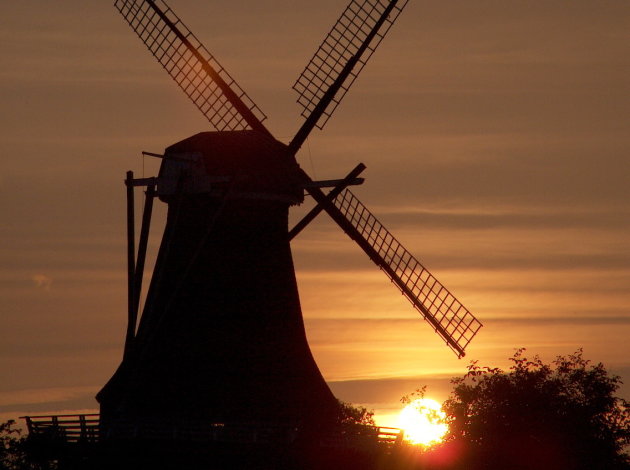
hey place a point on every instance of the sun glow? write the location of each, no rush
(423, 422)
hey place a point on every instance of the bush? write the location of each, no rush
(563, 415)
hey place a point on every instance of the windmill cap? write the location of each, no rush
(249, 162)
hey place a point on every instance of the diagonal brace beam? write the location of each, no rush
(330, 197)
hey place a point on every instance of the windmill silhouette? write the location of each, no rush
(221, 338)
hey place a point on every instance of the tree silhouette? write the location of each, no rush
(355, 415)
(563, 415)
(16, 453)
(11, 455)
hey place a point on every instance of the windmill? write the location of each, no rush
(221, 338)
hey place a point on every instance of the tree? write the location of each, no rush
(13, 451)
(563, 415)
(18, 453)
(355, 415)
(10, 446)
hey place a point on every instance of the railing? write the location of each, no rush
(390, 436)
(70, 429)
(362, 437)
(64, 428)
(248, 433)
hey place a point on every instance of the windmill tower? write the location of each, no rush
(221, 338)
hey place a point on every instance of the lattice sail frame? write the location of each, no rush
(177, 55)
(342, 42)
(450, 319)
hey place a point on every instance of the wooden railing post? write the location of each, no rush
(82, 424)
(131, 266)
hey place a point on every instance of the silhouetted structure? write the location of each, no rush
(221, 340)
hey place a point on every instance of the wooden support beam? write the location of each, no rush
(343, 184)
(152, 154)
(144, 181)
(333, 183)
(131, 265)
(226, 179)
(142, 250)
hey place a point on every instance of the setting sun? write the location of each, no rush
(423, 422)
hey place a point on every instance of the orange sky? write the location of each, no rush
(496, 139)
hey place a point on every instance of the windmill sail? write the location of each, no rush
(349, 44)
(450, 319)
(209, 86)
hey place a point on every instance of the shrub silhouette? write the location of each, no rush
(564, 415)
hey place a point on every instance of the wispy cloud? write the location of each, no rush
(43, 395)
(42, 281)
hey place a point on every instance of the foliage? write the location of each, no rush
(12, 454)
(350, 414)
(16, 453)
(418, 394)
(9, 440)
(562, 415)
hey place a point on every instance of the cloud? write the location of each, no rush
(43, 395)
(42, 281)
(509, 250)
(511, 218)
(559, 321)
(62, 400)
